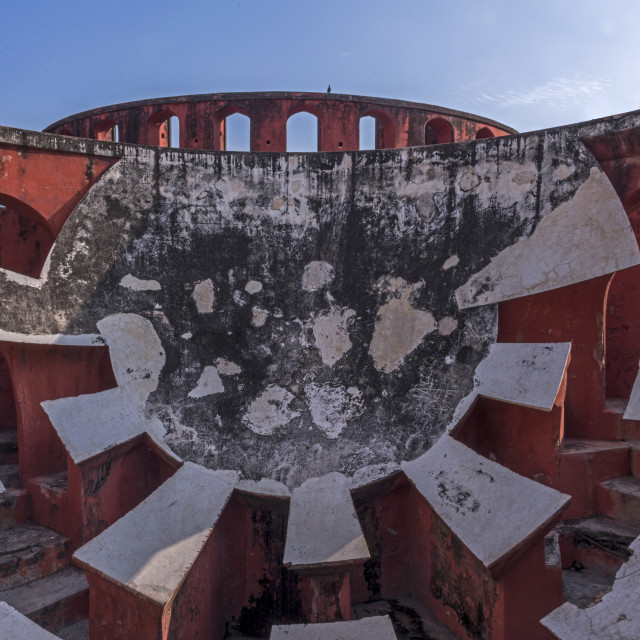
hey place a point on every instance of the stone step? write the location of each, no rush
(30, 551)
(49, 499)
(613, 425)
(15, 626)
(15, 507)
(8, 447)
(620, 499)
(586, 463)
(597, 543)
(77, 631)
(375, 628)
(55, 601)
(10, 476)
(584, 587)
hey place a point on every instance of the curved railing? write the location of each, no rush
(202, 121)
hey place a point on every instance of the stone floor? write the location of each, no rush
(77, 631)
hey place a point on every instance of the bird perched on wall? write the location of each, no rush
(329, 89)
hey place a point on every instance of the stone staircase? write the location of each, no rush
(603, 520)
(37, 578)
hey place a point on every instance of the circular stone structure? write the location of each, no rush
(202, 121)
(256, 388)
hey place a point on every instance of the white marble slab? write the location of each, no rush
(323, 527)
(374, 628)
(615, 617)
(582, 238)
(491, 509)
(527, 374)
(151, 549)
(15, 626)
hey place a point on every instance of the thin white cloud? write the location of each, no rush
(561, 94)
(346, 54)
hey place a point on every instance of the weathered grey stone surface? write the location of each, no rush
(615, 617)
(15, 626)
(374, 628)
(323, 528)
(326, 283)
(151, 549)
(476, 497)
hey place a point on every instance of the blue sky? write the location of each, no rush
(527, 64)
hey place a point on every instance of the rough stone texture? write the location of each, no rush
(151, 548)
(329, 280)
(615, 617)
(15, 626)
(374, 628)
(475, 497)
(323, 527)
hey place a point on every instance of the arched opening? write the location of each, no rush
(367, 133)
(483, 133)
(438, 131)
(106, 130)
(164, 129)
(303, 131)
(383, 130)
(24, 242)
(232, 130)
(8, 416)
(622, 352)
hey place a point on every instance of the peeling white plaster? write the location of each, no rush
(331, 335)
(208, 384)
(585, 237)
(253, 286)
(259, 316)
(450, 262)
(270, 411)
(115, 415)
(135, 284)
(333, 406)
(136, 352)
(399, 327)
(204, 296)
(227, 368)
(447, 326)
(187, 336)
(316, 275)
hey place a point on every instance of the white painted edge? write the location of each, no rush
(15, 626)
(371, 628)
(525, 374)
(475, 497)
(151, 549)
(323, 527)
(82, 340)
(264, 487)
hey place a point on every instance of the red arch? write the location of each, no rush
(25, 237)
(219, 128)
(105, 130)
(385, 128)
(438, 131)
(158, 130)
(305, 109)
(483, 133)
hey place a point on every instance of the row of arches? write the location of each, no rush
(232, 131)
